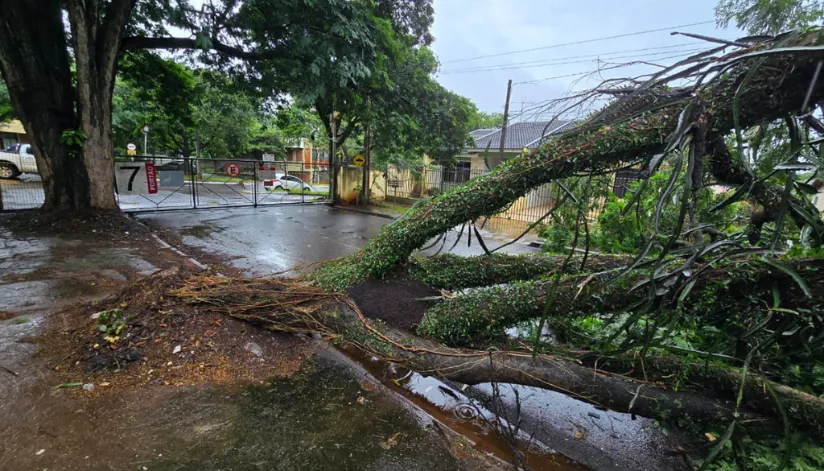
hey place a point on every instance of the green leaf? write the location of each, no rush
(718, 447)
(792, 273)
(69, 385)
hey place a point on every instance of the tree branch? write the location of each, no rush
(142, 42)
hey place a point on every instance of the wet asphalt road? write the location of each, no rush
(265, 240)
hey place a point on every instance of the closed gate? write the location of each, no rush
(158, 183)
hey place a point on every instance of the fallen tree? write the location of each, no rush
(737, 98)
(291, 305)
(764, 310)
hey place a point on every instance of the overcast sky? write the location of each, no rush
(467, 29)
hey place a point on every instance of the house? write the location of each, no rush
(484, 154)
(519, 136)
(305, 161)
(12, 132)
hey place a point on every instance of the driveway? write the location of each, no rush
(267, 240)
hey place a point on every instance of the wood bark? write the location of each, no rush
(35, 65)
(96, 48)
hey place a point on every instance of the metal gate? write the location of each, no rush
(144, 183)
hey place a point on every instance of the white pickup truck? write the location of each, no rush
(17, 159)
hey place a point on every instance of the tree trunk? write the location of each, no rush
(778, 87)
(96, 47)
(481, 316)
(35, 66)
(301, 307)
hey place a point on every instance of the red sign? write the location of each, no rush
(233, 170)
(151, 177)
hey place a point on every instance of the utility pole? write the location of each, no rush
(506, 116)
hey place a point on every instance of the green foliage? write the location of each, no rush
(624, 225)
(6, 110)
(481, 120)
(188, 109)
(111, 324)
(770, 453)
(769, 16)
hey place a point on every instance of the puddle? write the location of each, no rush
(461, 413)
(201, 231)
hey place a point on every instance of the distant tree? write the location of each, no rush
(6, 111)
(768, 16)
(482, 120)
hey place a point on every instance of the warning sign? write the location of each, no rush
(233, 170)
(358, 160)
(131, 149)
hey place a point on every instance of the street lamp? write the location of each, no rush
(145, 138)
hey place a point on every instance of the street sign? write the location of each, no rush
(358, 160)
(233, 170)
(131, 149)
(135, 178)
(268, 157)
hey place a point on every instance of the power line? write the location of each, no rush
(528, 82)
(578, 42)
(682, 52)
(673, 46)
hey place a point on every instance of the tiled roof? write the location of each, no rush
(518, 135)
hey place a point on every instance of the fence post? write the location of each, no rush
(193, 173)
(255, 169)
(302, 185)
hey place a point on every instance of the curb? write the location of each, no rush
(363, 211)
(165, 245)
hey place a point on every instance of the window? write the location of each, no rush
(9, 140)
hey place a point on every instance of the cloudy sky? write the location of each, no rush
(497, 29)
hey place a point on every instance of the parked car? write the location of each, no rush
(287, 182)
(17, 159)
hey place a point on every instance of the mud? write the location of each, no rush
(399, 303)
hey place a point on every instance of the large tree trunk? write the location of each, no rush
(293, 305)
(96, 47)
(35, 66)
(778, 87)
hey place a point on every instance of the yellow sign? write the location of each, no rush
(131, 152)
(358, 160)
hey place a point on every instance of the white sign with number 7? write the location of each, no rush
(135, 178)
